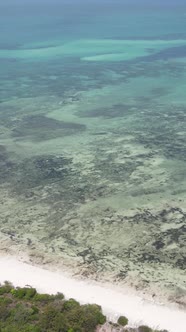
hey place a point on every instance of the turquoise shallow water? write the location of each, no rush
(93, 140)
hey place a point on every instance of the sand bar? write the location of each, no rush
(112, 301)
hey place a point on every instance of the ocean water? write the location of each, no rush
(93, 139)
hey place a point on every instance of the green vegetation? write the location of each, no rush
(24, 310)
(6, 288)
(122, 320)
(26, 293)
(145, 328)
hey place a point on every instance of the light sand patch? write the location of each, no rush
(114, 56)
(92, 48)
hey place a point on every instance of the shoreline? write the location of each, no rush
(114, 301)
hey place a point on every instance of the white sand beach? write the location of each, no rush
(113, 301)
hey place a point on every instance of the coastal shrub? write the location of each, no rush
(32, 328)
(23, 310)
(5, 300)
(30, 293)
(59, 296)
(144, 328)
(35, 309)
(18, 328)
(71, 304)
(114, 324)
(21, 314)
(91, 317)
(122, 320)
(61, 323)
(5, 288)
(19, 292)
(25, 292)
(48, 318)
(4, 311)
(45, 298)
(81, 318)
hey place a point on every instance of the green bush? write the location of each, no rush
(18, 292)
(122, 320)
(45, 298)
(25, 292)
(30, 293)
(91, 316)
(6, 288)
(32, 328)
(4, 311)
(59, 296)
(48, 319)
(144, 328)
(21, 314)
(35, 309)
(5, 300)
(61, 323)
(71, 304)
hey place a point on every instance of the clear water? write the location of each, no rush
(93, 139)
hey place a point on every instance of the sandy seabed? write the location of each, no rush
(113, 300)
